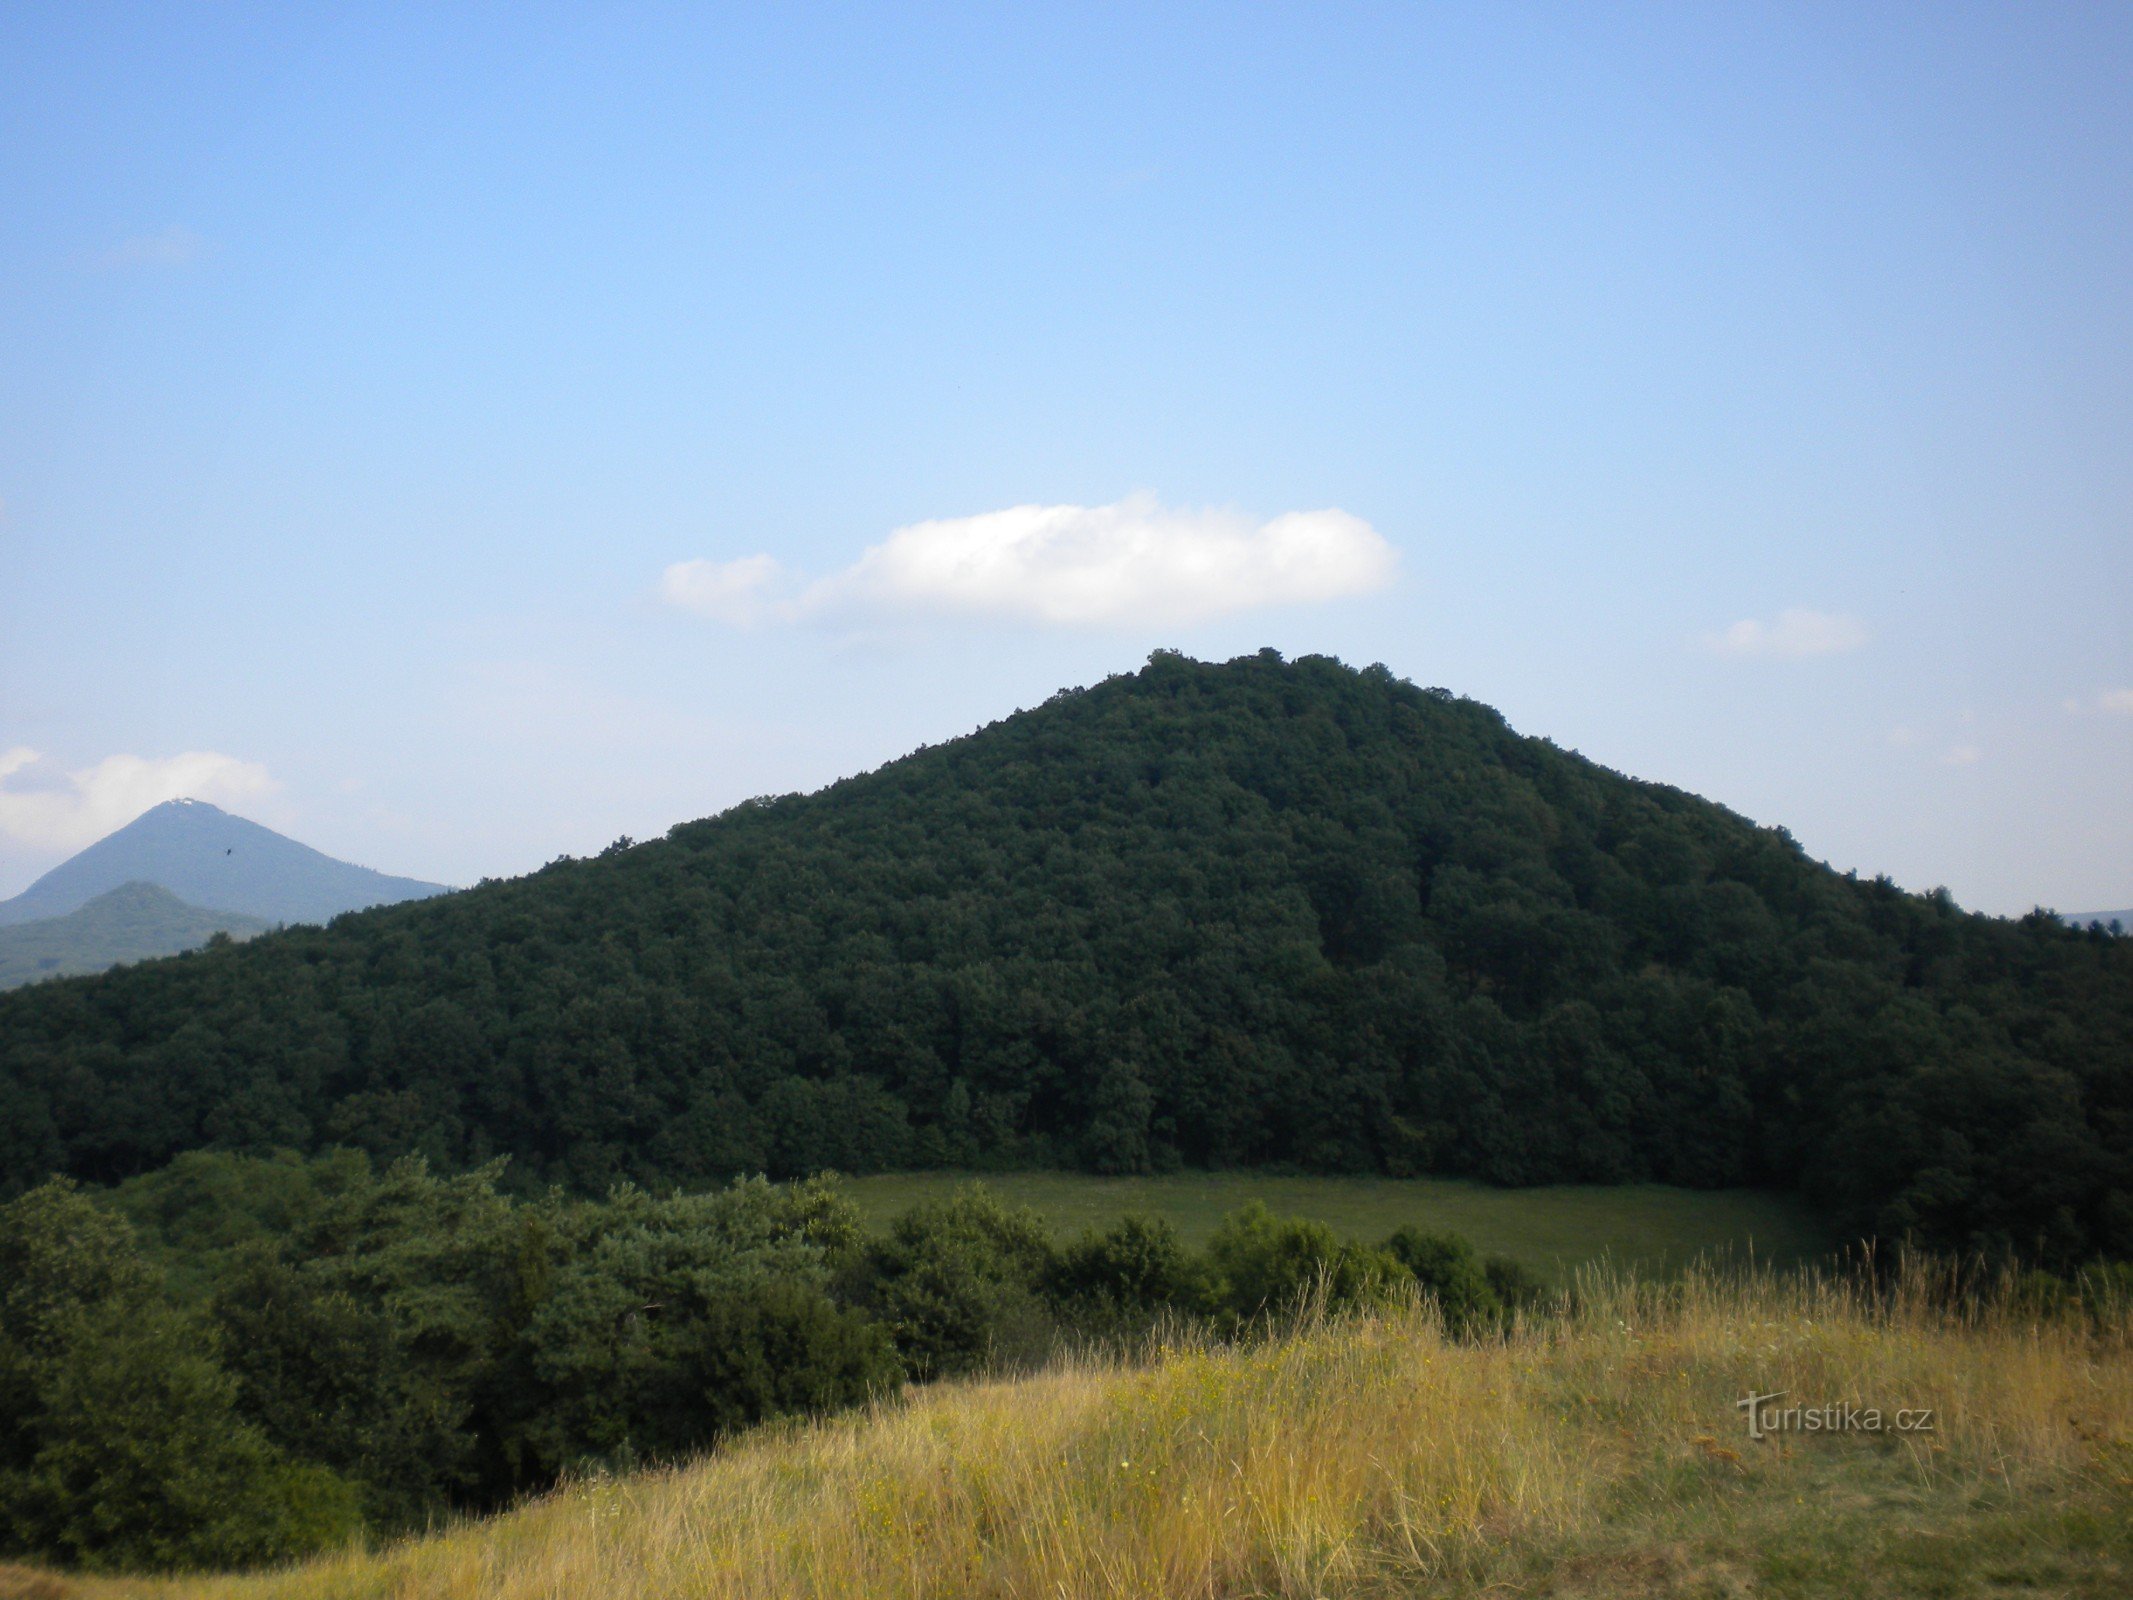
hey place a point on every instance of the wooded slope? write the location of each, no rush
(1253, 913)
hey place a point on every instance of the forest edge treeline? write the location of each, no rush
(235, 1360)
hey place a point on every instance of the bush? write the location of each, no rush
(2101, 1291)
(1451, 1273)
(1260, 1263)
(959, 1282)
(1516, 1289)
(777, 1348)
(1127, 1275)
(450, 1347)
(623, 1319)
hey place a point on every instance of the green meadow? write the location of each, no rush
(1649, 1226)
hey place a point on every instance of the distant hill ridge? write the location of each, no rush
(208, 858)
(2082, 919)
(134, 922)
(1262, 913)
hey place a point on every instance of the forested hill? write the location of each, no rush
(1260, 912)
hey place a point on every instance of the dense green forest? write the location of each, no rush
(1256, 913)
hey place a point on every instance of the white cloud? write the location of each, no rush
(733, 592)
(1962, 755)
(78, 808)
(1132, 564)
(174, 246)
(1795, 633)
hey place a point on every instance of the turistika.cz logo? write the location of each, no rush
(1767, 1417)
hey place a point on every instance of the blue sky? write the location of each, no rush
(461, 435)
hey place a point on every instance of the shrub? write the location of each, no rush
(1127, 1275)
(1260, 1263)
(776, 1348)
(338, 1378)
(959, 1283)
(1451, 1273)
(620, 1345)
(1516, 1288)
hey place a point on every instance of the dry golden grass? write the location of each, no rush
(1595, 1451)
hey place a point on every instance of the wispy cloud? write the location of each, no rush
(1135, 563)
(738, 593)
(174, 246)
(1794, 634)
(1961, 755)
(50, 810)
(2105, 702)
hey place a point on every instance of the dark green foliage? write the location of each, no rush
(425, 1282)
(1451, 1273)
(447, 1345)
(777, 1348)
(208, 1206)
(340, 1379)
(1259, 1263)
(2106, 1286)
(2102, 1290)
(1515, 1288)
(1254, 914)
(120, 1440)
(63, 1260)
(664, 1322)
(1126, 1275)
(401, 1344)
(141, 1461)
(960, 1283)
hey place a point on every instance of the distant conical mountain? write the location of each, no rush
(210, 859)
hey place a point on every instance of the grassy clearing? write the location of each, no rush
(1550, 1230)
(1598, 1451)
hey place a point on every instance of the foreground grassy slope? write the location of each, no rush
(1599, 1452)
(1548, 1230)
